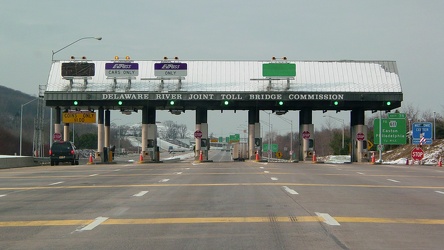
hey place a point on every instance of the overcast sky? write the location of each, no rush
(407, 31)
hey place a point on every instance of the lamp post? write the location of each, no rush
(118, 144)
(291, 131)
(21, 122)
(83, 38)
(343, 127)
(269, 135)
(434, 127)
(52, 59)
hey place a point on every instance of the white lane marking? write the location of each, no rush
(359, 173)
(274, 179)
(289, 190)
(2, 195)
(327, 219)
(261, 167)
(392, 180)
(178, 173)
(440, 192)
(141, 193)
(164, 180)
(56, 183)
(266, 172)
(93, 175)
(187, 168)
(117, 170)
(95, 223)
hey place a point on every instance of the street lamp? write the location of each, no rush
(343, 127)
(21, 122)
(118, 143)
(52, 59)
(83, 38)
(434, 127)
(269, 134)
(291, 131)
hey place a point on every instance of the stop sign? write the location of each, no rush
(417, 154)
(198, 134)
(360, 136)
(306, 134)
(57, 137)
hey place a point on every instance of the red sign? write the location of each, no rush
(306, 134)
(417, 154)
(57, 137)
(197, 134)
(360, 136)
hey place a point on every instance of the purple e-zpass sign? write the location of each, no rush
(170, 69)
(121, 69)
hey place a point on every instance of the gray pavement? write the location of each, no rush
(222, 205)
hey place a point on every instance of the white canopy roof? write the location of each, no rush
(241, 76)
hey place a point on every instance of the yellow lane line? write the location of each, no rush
(221, 185)
(390, 220)
(210, 220)
(41, 223)
(232, 173)
(158, 221)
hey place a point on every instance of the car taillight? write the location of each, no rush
(50, 152)
(72, 152)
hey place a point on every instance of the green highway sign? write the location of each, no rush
(279, 70)
(235, 138)
(393, 131)
(396, 115)
(274, 147)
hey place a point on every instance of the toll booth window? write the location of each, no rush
(78, 69)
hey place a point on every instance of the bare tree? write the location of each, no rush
(182, 131)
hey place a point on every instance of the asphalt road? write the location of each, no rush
(222, 205)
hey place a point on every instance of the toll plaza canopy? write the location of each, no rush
(218, 85)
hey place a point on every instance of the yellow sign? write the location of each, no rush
(369, 145)
(279, 154)
(79, 117)
(214, 140)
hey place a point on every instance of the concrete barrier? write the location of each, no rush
(12, 161)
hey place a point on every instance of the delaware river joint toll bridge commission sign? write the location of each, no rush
(224, 85)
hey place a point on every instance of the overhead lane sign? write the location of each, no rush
(121, 69)
(278, 70)
(79, 117)
(170, 69)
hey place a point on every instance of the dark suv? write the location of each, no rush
(63, 151)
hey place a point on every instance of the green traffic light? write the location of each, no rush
(76, 103)
(336, 103)
(389, 103)
(281, 103)
(226, 102)
(120, 103)
(172, 102)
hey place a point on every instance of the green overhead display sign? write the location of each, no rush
(279, 70)
(393, 130)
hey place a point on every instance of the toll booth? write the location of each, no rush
(152, 150)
